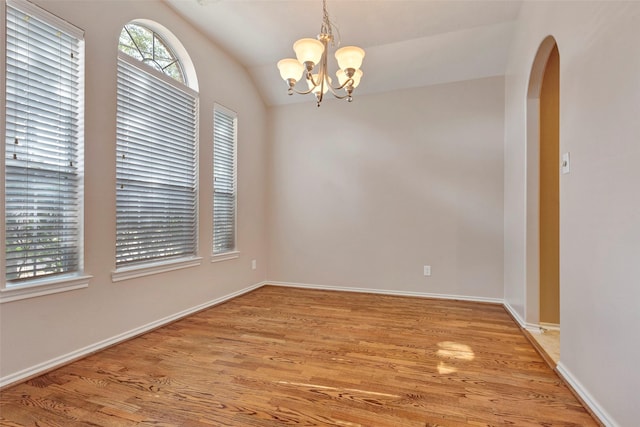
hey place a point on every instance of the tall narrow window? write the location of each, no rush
(43, 146)
(224, 180)
(156, 194)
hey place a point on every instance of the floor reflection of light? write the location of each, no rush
(452, 350)
(323, 387)
(444, 369)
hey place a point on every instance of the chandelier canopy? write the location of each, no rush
(312, 52)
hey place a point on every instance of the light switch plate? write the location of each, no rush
(565, 163)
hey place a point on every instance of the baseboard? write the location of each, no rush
(550, 326)
(386, 292)
(514, 314)
(589, 402)
(57, 362)
(574, 385)
(531, 327)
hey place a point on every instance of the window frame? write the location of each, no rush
(55, 283)
(234, 252)
(156, 266)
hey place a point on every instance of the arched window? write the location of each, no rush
(147, 46)
(156, 164)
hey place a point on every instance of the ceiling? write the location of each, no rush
(408, 43)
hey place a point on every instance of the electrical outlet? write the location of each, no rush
(254, 264)
(427, 270)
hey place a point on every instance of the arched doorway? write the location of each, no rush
(543, 186)
(550, 191)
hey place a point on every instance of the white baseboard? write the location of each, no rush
(586, 397)
(90, 349)
(539, 328)
(550, 326)
(515, 315)
(386, 292)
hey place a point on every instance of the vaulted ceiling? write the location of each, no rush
(408, 43)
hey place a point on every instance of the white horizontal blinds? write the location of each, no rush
(224, 180)
(42, 144)
(155, 167)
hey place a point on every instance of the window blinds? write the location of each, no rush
(43, 143)
(224, 180)
(155, 167)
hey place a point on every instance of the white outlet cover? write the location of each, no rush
(427, 270)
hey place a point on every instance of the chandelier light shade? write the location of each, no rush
(311, 63)
(290, 69)
(350, 57)
(308, 50)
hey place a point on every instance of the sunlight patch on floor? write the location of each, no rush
(452, 350)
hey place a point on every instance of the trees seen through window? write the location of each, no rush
(146, 46)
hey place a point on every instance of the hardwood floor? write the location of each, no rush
(547, 342)
(283, 356)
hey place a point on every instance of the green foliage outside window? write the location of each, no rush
(146, 46)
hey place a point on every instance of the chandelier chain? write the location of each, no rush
(327, 27)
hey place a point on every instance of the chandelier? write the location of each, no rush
(311, 53)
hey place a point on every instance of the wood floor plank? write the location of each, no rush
(284, 356)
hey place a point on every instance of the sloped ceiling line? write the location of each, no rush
(409, 43)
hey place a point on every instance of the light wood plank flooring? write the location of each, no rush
(283, 356)
(549, 342)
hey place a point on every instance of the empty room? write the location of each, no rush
(320, 213)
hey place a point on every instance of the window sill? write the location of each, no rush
(40, 287)
(225, 256)
(127, 273)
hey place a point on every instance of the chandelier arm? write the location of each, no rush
(303, 92)
(333, 91)
(340, 96)
(310, 78)
(348, 82)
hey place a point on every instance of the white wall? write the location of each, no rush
(600, 198)
(365, 194)
(35, 331)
